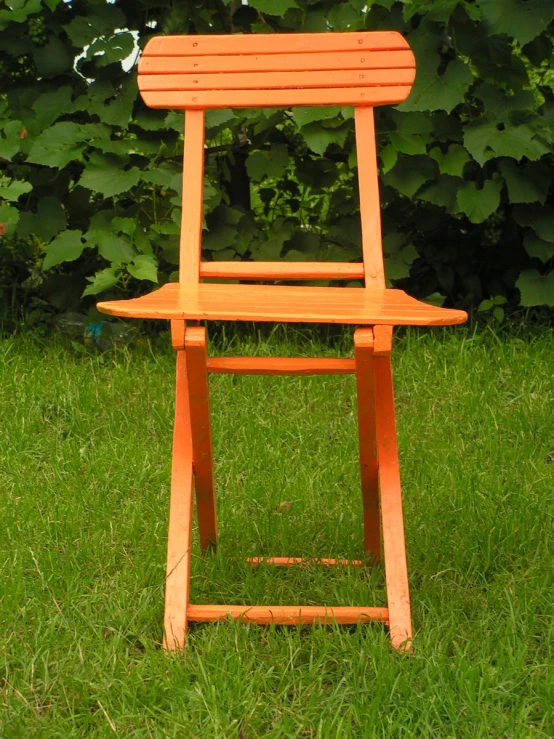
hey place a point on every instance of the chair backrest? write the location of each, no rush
(196, 73)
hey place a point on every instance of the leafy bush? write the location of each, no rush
(90, 184)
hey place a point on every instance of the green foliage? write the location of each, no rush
(91, 182)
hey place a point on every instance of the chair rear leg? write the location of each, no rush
(179, 540)
(196, 353)
(365, 383)
(394, 545)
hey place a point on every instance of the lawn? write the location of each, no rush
(84, 484)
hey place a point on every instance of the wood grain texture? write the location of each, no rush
(394, 545)
(288, 43)
(304, 62)
(196, 357)
(179, 540)
(277, 80)
(207, 99)
(281, 303)
(288, 615)
(365, 385)
(283, 270)
(298, 561)
(193, 186)
(370, 208)
(281, 366)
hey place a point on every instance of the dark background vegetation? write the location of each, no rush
(90, 181)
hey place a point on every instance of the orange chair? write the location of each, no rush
(200, 72)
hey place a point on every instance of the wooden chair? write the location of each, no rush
(200, 72)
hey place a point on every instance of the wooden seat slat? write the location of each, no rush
(206, 99)
(277, 62)
(284, 303)
(277, 80)
(273, 43)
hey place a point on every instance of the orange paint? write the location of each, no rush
(195, 73)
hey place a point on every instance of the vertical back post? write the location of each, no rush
(370, 208)
(193, 198)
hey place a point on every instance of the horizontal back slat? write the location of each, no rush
(283, 270)
(277, 80)
(290, 43)
(277, 62)
(205, 99)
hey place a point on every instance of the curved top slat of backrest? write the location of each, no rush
(275, 43)
(280, 70)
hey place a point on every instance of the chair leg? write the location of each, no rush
(365, 382)
(394, 545)
(179, 540)
(197, 361)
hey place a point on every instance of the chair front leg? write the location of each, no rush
(179, 540)
(196, 352)
(394, 545)
(365, 384)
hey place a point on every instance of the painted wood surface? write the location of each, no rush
(281, 303)
(394, 545)
(288, 615)
(179, 540)
(207, 99)
(202, 453)
(299, 561)
(283, 270)
(277, 80)
(370, 209)
(281, 366)
(289, 43)
(365, 386)
(275, 62)
(193, 186)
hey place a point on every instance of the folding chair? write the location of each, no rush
(351, 69)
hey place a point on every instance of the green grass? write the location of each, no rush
(84, 481)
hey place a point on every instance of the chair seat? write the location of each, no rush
(232, 302)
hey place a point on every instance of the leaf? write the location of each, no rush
(389, 157)
(432, 91)
(66, 247)
(320, 138)
(485, 140)
(102, 280)
(103, 174)
(343, 16)
(309, 114)
(540, 219)
(399, 255)
(58, 145)
(114, 49)
(520, 19)
(537, 247)
(118, 112)
(443, 192)
(451, 162)
(536, 289)
(48, 221)
(479, 204)
(14, 190)
(219, 117)
(144, 267)
(52, 105)
(273, 7)
(410, 173)
(529, 184)
(9, 217)
(53, 58)
(10, 141)
(270, 162)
